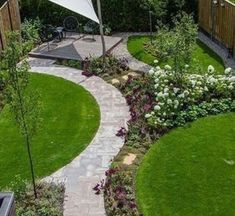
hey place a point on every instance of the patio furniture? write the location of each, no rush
(60, 31)
(71, 24)
(47, 34)
(90, 28)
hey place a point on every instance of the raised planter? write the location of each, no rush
(7, 205)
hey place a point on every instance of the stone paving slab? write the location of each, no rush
(121, 51)
(88, 169)
(77, 47)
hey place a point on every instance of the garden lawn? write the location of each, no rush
(70, 120)
(190, 171)
(202, 55)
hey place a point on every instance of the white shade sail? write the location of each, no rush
(83, 7)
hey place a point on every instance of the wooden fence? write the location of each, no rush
(9, 20)
(217, 17)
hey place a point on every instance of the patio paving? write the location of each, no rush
(75, 47)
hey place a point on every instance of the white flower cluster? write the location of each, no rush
(172, 97)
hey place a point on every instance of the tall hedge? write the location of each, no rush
(120, 15)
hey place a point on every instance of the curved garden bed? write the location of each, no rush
(70, 120)
(191, 170)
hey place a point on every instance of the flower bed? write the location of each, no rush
(194, 96)
(160, 101)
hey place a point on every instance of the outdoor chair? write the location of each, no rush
(90, 28)
(71, 25)
(48, 33)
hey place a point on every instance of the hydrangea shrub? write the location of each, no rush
(194, 96)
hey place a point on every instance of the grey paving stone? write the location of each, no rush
(121, 51)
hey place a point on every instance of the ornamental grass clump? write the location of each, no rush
(194, 96)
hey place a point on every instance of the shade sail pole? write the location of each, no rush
(101, 28)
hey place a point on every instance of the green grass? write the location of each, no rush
(70, 120)
(202, 54)
(191, 171)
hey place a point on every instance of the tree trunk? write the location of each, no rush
(101, 29)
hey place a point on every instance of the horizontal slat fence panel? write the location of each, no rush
(219, 21)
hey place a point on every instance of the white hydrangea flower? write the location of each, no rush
(232, 79)
(210, 69)
(151, 72)
(230, 87)
(158, 68)
(160, 94)
(181, 95)
(148, 116)
(186, 92)
(156, 86)
(193, 82)
(166, 90)
(176, 90)
(155, 61)
(176, 102)
(228, 70)
(169, 101)
(165, 94)
(168, 67)
(157, 108)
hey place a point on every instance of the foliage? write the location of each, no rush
(119, 15)
(25, 108)
(118, 195)
(49, 202)
(176, 44)
(30, 33)
(70, 63)
(194, 96)
(111, 66)
(190, 171)
(141, 92)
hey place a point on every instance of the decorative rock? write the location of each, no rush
(125, 78)
(133, 74)
(129, 159)
(115, 82)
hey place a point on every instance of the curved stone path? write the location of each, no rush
(88, 169)
(121, 51)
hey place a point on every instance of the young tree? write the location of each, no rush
(177, 44)
(24, 105)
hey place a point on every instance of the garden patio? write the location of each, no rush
(146, 129)
(75, 47)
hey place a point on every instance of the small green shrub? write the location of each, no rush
(176, 44)
(49, 202)
(30, 34)
(106, 68)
